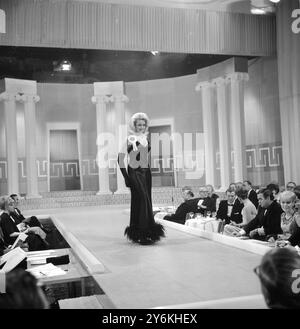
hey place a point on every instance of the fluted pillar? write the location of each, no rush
(206, 89)
(101, 102)
(238, 124)
(120, 139)
(288, 50)
(29, 102)
(11, 142)
(224, 135)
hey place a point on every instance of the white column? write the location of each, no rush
(208, 130)
(11, 142)
(101, 102)
(119, 124)
(30, 144)
(238, 124)
(224, 136)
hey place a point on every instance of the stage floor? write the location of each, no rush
(181, 268)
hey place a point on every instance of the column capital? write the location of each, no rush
(104, 99)
(121, 98)
(203, 85)
(238, 76)
(5, 96)
(220, 81)
(25, 98)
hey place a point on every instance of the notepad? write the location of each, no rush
(46, 270)
(11, 259)
(21, 238)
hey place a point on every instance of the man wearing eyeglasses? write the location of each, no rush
(290, 186)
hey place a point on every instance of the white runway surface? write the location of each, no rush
(181, 268)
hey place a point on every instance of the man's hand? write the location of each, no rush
(241, 233)
(282, 243)
(253, 233)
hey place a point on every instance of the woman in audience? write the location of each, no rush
(274, 188)
(279, 277)
(12, 229)
(142, 228)
(22, 292)
(290, 219)
(248, 213)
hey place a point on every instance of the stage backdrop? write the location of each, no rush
(168, 102)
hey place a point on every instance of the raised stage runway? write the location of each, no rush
(180, 269)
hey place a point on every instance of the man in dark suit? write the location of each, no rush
(189, 205)
(230, 209)
(268, 219)
(252, 196)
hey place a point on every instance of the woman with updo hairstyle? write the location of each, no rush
(142, 228)
(279, 275)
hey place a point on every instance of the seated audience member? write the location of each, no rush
(248, 213)
(239, 185)
(290, 220)
(11, 231)
(189, 205)
(22, 292)
(252, 196)
(267, 221)
(290, 186)
(18, 216)
(230, 210)
(274, 188)
(209, 203)
(232, 187)
(4, 248)
(276, 273)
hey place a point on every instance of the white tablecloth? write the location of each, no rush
(204, 223)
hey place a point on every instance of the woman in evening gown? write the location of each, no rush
(142, 228)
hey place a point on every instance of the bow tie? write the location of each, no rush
(230, 204)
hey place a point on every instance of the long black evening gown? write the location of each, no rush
(142, 228)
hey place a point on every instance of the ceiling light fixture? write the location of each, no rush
(66, 66)
(258, 11)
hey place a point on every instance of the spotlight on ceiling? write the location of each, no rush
(275, 1)
(258, 11)
(263, 7)
(154, 52)
(66, 66)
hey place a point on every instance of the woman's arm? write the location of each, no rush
(121, 163)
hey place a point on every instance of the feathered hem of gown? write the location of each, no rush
(151, 235)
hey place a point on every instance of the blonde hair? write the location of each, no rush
(135, 118)
(288, 195)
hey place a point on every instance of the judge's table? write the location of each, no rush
(68, 274)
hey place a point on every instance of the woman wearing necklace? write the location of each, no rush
(142, 228)
(289, 216)
(290, 220)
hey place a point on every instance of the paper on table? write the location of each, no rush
(12, 259)
(37, 260)
(46, 270)
(21, 237)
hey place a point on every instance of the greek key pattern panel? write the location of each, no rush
(264, 156)
(267, 156)
(261, 157)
